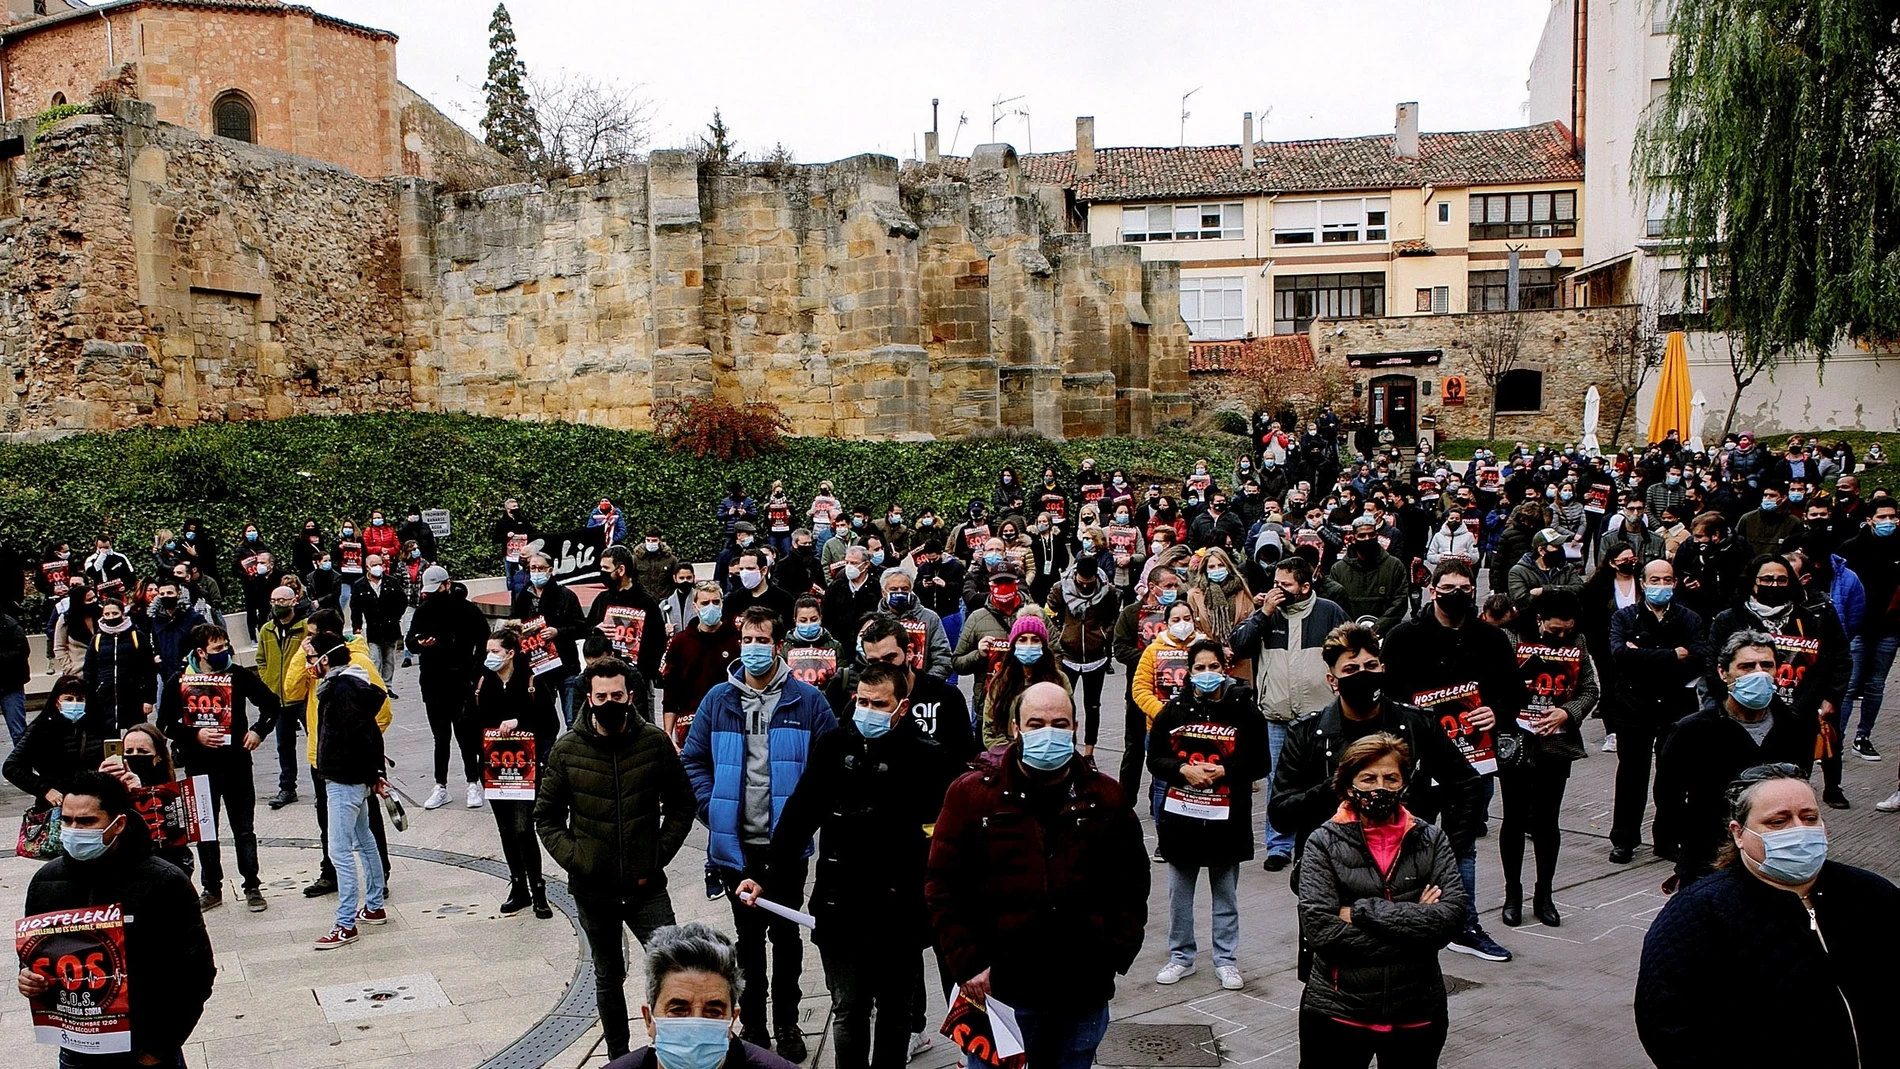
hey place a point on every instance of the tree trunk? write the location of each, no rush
(1616, 429)
(1734, 402)
(1492, 434)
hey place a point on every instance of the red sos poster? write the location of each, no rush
(1171, 672)
(508, 766)
(82, 953)
(812, 664)
(970, 1028)
(917, 637)
(1055, 505)
(1201, 743)
(1795, 656)
(1122, 541)
(1550, 673)
(517, 546)
(1489, 479)
(1596, 499)
(543, 656)
(975, 534)
(995, 649)
(1452, 706)
(628, 624)
(350, 556)
(57, 572)
(1149, 625)
(207, 701)
(177, 813)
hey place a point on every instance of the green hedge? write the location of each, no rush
(281, 472)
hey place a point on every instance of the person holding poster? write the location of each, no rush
(1562, 683)
(206, 710)
(628, 615)
(551, 623)
(1207, 746)
(929, 645)
(111, 898)
(510, 702)
(511, 532)
(812, 653)
(1461, 671)
(985, 639)
(697, 659)
(146, 765)
(1140, 623)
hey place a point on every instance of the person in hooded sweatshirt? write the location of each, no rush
(121, 669)
(447, 632)
(1083, 610)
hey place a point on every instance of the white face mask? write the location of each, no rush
(653, 545)
(1182, 630)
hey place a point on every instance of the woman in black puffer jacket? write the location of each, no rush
(1379, 897)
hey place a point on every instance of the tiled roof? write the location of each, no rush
(1287, 350)
(21, 29)
(1538, 153)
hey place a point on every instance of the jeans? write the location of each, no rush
(328, 871)
(601, 918)
(1468, 875)
(449, 723)
(861, 973)
(519, 847)
(571, 699)
(1873, 659)
(386, 656)
(14, 705)
(788, 945)
(1223, 883)
(1276, 842)
(344, 589)
(350, 804)
(1329, 1044)
(1091, 699)
(1062, 1039)
(234, 793)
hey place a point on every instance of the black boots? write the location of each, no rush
(1544, 908)
(1513, 913)
(541, 910)
(518, 899)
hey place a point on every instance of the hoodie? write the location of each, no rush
(349, 744)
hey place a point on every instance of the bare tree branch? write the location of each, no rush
(586, 124)
(1497, 338)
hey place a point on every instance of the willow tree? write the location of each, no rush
(1777, 147)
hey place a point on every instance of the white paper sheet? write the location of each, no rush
(788, 913)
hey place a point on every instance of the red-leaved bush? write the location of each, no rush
(709, 427)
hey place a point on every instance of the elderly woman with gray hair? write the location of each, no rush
(1780, 918)
(692, 1006)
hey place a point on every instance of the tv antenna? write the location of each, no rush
(998, 112)
(1184, 110)
(963, 119)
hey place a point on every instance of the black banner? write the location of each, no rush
(575, 554)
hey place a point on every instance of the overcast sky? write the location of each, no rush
(835, 79)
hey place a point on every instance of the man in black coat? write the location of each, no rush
(376, 608)
(449, 634)
(752, 585)
(939, 708)
(550, 612)
(851, 596)
(1658, 648)
(165, 942)
(645, 643)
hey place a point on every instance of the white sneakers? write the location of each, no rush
(1229, 976)
(437, 798)
(1609, 743)
(1890, 804)
(474, 796)
(1172, 972)
(919, 1043)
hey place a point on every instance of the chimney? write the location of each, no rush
(1084, 146)
(930, 146)
(1405, 134)
(1246, 141)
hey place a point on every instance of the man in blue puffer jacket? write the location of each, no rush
(745, 752)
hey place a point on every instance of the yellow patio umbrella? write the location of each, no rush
(1673, 393)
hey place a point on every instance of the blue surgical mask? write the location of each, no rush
(1088, 545)
(1797, 496)
(1754, 690)
(871, 723)
(898, 600)
(807, 632)
(84, 844)
(349, 532)
(1659, 595)
(1048, 749)
(1885, 528)
(73, 711)
(1207, 682)
(1167, 596)
(250, 536)
(1793, 855)
(1217, 575)
(993, 559)
(710, 615)
(1769, 504)
(494, 661)
(324, 566)
(377, 522)
(538, 578)
(878, 558)
(757, 657)
(691, 1042)
(1028, 654)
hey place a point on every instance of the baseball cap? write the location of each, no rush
(433, 577)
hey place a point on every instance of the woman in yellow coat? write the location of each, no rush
(1163, 669)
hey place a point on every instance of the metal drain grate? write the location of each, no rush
(1458, 985)
(369, 999)
(1182, 1046)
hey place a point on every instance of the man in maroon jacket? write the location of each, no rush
(697, 657)
(1038, 883)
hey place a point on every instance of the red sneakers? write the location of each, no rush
(339, 936)
(372, 916)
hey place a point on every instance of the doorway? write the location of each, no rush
(1392, 403)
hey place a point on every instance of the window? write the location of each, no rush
(232, 117)
(1444, 211)
(1349, 220)
(1521, 390)
(1181, 222)
(1680, 309)
(1524, 215)
(1214, 307)
(1658, 220)
(1300, 299)
(1441, 300)
(1540, 287)
(1424, 299)
(1659, 20)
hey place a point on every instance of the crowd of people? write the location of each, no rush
(1302, 625)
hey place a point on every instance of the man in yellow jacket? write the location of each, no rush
(279, 656)
(299, 686)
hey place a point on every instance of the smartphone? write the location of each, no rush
(115, 748)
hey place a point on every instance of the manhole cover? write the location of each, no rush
(1183, 1045)
(1458, 985)
(391, 995)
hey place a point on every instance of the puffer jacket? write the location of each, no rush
(613, 810)
(1733, 932)
(1019, 867)
(1704, 754)
(1375, 588)
(1227, 729)
(121, 672)
(54, 749)
(1382, 968)
(163, 926)
(654, 571)
(715, 755)
(1084, 623)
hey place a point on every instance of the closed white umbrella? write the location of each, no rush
(1592, 402)
(1699, 405)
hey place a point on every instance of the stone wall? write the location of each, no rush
(159, 277)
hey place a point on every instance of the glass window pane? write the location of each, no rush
(1232, 304)
(1477, 209)
(1494, 209)
(1232, 217)
(1295, 215)
(1160, 220)
(1540, 207)
(1520, 207)
(1566, 205)
(1187, 219)
(1134, 221)
(1335, 212)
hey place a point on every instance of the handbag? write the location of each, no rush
(39, 835)
(1513, 753)
(1560, 746)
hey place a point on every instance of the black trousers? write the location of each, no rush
(234, 804)
(788, 945)
(1091, 699)
(519, 847)
(1134, 747)
(1328, 1044)
(328, 872)
(447, 722)
(865, 973)
(1637, 747)
(1532, 799)
(601, 918)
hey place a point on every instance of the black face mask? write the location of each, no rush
(1457, 606)
(1377, 805)
(144, 766)
(1774, 596)
(1555, 638)
(610, 717)
(1361, 690)
(1366, 550)
(1627, 567)
(683, 587)
(168, 604)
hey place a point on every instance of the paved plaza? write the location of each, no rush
(1565, 1000)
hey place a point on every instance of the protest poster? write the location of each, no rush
(812, 664)
(994, 649)
(517, 546)
(1171, 672)
(437, 520)
(1201, 742)
(543, 655)
(178, 812)
(628, 624)
(1489, 479)
(1452, 706)
(1054, 504)
(1794, 656)
(1596, 499)
(207, 701)
(1550, 673)
(1122, 541)
(1149, 624)
(349, 558)
(969, 1027)
(975, 534)
(57, 572)
(917, 639)
(82, 953)
(508, 766)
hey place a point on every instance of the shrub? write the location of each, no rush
(1228, 421)
(725, 431)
